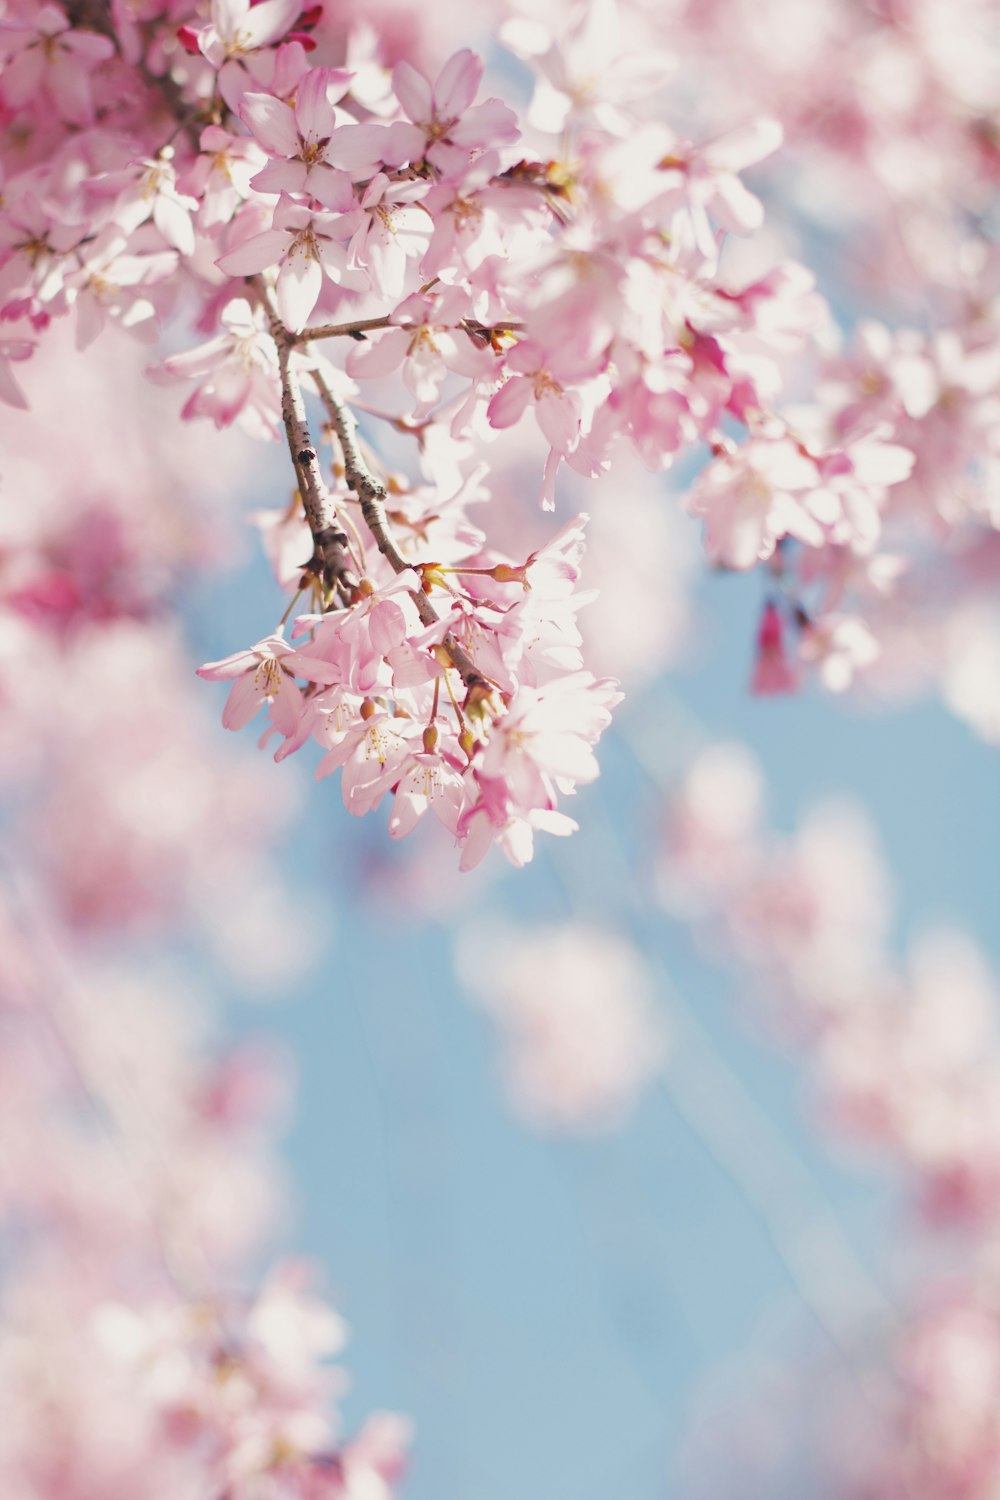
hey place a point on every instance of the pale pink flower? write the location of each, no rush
(240, 29)
(372, 755)
(557, 411)
(588, 72)
(109, 282)
(544, 740)
(575, 1011)
(33, 245)
(266, 673)
(240, 26)
(840, 646)
(393, 232)
(221, 175)
(298, 140)
(447, 128)
(54, 60)
(715, 193)
(306, 246)
(429, 783)
(428, 342)
(286, 540)
(363, 641)
(751, 498)
(151, 193)
(237, 373)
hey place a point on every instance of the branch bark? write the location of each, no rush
(371, 493)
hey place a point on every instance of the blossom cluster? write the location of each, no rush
(557, 279)
(138, 1188)
(907, 1058)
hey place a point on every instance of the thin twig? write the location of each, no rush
(330, 560)
(481, 332)
(342, 330)
(372, 494)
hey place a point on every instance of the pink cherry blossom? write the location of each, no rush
(306, 247)
(266, 673)
(447, 127)
(299, 140)
(52, 58)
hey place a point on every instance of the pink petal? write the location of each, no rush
(413, 92)
(735, 207)
(386, 626)
(22, 77)
(245, 698)
(174, 223)
(509, 403)
(299, 284)
(486, 124)
(281, 176)
(266, 22)
(286, 707)
(10, 391)
(255, 254)
(558, 418)
(742, 148)
(457, 83)
(314, 98)
(69, 84)
(271, 122)
(229, 667)
(380, 356)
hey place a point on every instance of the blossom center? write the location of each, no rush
(267, 678)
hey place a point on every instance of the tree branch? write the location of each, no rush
(330, 559)
(341, 330)
(371, 493)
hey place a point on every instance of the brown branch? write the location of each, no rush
(330, 560)
(342, 330)
(371, 493)
(356, 330)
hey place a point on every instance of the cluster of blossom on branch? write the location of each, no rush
(265, 164)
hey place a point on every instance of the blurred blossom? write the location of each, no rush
(574, 1006)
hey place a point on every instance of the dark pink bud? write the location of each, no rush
(188, 38)
(772, 671)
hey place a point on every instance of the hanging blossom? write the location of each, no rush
(565, 305)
